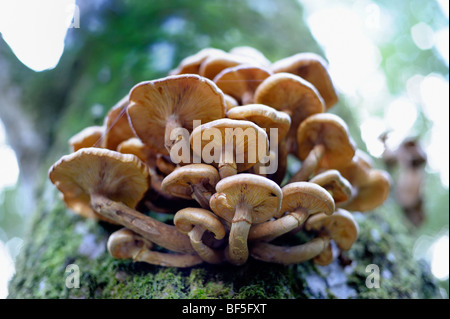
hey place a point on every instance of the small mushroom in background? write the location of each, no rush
(158, 108)
(194, 181)
(192, 63)
(251, 53)
(234, 148)
(117, 127)
(323, 142)
(293, 95)
(106, 184)
(340, 227)
(215, 63)
(88, 137)
(241, 81)
(194, 222)
(135, 146)
(338, 187)
(125, 244)
(244, 200)
(313, 69)
(300, 200)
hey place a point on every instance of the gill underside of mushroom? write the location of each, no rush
(272, 229)
(288, 255)
(309, 165)
(172, 124)
(164, 235)
(206, 253)
(237, 248)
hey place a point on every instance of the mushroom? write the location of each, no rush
(251, 53)
(135, 146)
(215, 63)
(106, 184)
(88, 137)
(370, 193)
(241, 81)
(243, 200)
(341, 227)
(291, 94)
(357, 170)
(158, 108)
(323, 142)
(236, 145)
(313, 69)
(288, 255)
(194, 222)
(339, 188)
(164, 164)
(300, 200)
(117, 127)
(230, 101)
(126, 244)
(194, 181)
(191, 64)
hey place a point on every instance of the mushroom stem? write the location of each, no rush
(171, 124)
(200, 197)
(206, 253)
(164, 235)
(238, 249)
(167, 260)
(288, 255)
(270, 230)
(309, 165)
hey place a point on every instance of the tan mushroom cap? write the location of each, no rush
(185, 220)
(371, 193)
(243, 137)
(241, 81)
(135, 146)
(313, 69)
(340, 226)
(262, 195)
(330, 131)
(264, 116)
(357, 170)
(156, 107)
(252, 53)
(181, 181)
(230, 101)
(120, 177)
(214, 64)
(191, 64)
(339, 187)
(307, 196)
(88, 137)
(117, 127)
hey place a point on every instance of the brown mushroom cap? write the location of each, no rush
(89, 137)
(357, 170)
(194, 180)
(224, 133)
(241, 81)
(252, 53)
(186, 219)
(330, 131)
(191, 64)
(120, 177)
(306, 196)
(214, 64)
(335, 184)
(313, 69)
(135, 146)
(156, 107)
(371, 193)
(340, 226)
(117, 127)
(264, 116)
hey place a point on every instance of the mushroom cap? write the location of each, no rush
(330, 131)
(252, 53)
(88, 137)
(230, 101)
(178, 183)
(291, 94)
(214, 64)
(357, 170)
(372, 193)
(335, 183)
(185, 220)
(191, 64)
(183, 98)
(241, 81)
(313, 68)
(308, 196)
(262, 195)
(120, 177)
(264, 116)
(126, 244)
(243, 145)
(117, 127)
(340, 226)
(135, 146)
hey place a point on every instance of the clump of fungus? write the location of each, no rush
(224, 202)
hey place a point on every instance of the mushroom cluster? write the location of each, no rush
(208, 146)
